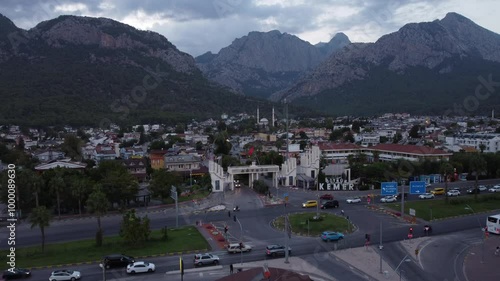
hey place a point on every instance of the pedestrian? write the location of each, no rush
(342, 212)
(497, 251)
(231, 268)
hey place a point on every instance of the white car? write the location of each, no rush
(65, 274)
(482, 188)
(235, 248)
(496, 188)
(426, 196)
(453, 192)
(353, 200)
(140, 267)
(388, 199)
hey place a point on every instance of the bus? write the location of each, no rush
(493, 224)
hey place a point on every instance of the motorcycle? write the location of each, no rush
(427, 229)
(236, 209)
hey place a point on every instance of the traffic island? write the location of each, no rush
(310, 224)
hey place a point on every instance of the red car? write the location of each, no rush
(326, 197)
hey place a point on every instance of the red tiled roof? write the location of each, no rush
(409, 149)
(158, 152)
(338, 146)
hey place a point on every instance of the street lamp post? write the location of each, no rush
(241, 238)
(480, 229)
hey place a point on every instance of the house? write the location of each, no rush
(48, 155)
(132, 152)
(106, 152)
(136, 167)
(157, 159)
(182, 163)
(62, 163)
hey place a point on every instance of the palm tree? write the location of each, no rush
(79, 188)
(446, 169)
(40, 217)
(98, 204)
(57, 185)
(477, 165)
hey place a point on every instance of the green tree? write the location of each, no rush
(477, 166)
(98, 204)
(135, 230)
(162, 181)
(118, 184)
(482, 147)
(79, 189)
(57, 186)
(446, 169)
(72, 147)
(414, 131)
(397, 138)
(40, 217)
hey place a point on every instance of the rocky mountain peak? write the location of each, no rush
(263, 62)
(430, 45)
(66, 31)
(337, 42)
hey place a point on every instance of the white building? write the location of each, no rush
(490, 141)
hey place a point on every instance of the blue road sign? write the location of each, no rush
(417, 187)
(389, 188)
(285, 195)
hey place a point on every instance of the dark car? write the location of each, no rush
(277, 250)
(326, 197)
(473, 190)
(16, 273)
(117, 260)
(399, 196)
(330, 204)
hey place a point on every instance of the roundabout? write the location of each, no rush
(309, 224)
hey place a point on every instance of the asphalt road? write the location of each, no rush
(255, 221)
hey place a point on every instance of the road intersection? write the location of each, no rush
(256, 219)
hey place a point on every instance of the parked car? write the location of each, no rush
(64, 275)
(329, 204)
(453, 192)
(438, 191)
(426, 196)
(204, 259)
(117, 260)
(388, 199)
(326, 197)
(353, 200)
(235, 248)
(473, 190)
(277, 250)
(482, 188)
(140, 267)
(309, 204)
(331, 236)
(495, 188)
(16, 273)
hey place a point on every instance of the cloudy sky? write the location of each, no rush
(197, 26)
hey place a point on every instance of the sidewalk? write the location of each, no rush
(367, 259)
(295, 264)
(483, 266)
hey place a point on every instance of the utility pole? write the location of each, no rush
(402, 199)
(380, 247)
(173, 195)
(287, 233)
(241, 238)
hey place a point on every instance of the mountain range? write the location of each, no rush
(265, 62)
(96, 71)
(83, 70)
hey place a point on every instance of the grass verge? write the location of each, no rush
(179, 240)
(457, 206)
(326, 221)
